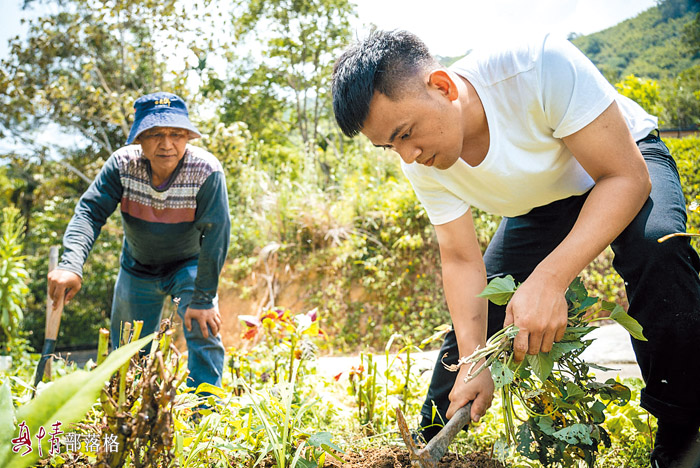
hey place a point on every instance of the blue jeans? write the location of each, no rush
(661, 280)
(138, 298)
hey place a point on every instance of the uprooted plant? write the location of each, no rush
(138, 402)
(563, 403)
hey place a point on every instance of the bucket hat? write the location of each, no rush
(160, 110)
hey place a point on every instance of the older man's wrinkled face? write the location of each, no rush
(164, 147)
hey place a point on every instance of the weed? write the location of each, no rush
(564, 406)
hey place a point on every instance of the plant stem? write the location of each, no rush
(102, 345)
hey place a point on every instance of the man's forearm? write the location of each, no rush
(610, 207)
(463, 281)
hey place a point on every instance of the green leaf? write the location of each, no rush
(575, 434)
(7, 413)
(546, 425)
(613, 390)
(577, 291)
(323, 438)
(324, 441)
(205, 389)
(601, 368)
(560, 348)
(541, 365)
(499, 290)
(502, 375)
(573, 391)
(573, 333)
(527, 443)
(596, 410)
(304, 463)
(619, 315)
(67, 401)
(587, 304)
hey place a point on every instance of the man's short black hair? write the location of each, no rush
(385, 62)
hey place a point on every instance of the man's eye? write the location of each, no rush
(405, 136)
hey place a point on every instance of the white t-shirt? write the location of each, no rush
(533, 95)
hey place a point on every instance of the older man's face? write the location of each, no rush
(164, 147)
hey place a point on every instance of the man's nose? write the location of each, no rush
(408, 153)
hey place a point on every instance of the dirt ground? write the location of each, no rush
(395, 457)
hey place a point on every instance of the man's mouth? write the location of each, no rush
(430, 161)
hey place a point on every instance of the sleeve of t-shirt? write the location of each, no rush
(94, 207)
(212, 219)
(441, 205)
(574, 92)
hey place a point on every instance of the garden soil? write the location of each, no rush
(395, 457)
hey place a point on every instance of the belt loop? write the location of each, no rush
(652, 136)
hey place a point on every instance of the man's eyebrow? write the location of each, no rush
(396, 131)
(393, 136)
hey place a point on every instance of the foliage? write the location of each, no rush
(13, 275)
(66, 400)
(680, 99)
(644, 92)
(686, 152)
(289, 338)
(651, 45)
(290, 85)
(564, 404)
(83, 66)
(251, 419)
(281, 417)
(379, 388)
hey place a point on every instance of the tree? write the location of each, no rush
(692, 35)
(680, 98)
(290, 86)
(643, 91)
(676, 8)
(83, 66)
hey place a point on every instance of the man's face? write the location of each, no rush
(164, 147)
(422, 127)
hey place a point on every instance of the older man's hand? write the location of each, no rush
(204, 317)
(63, 286)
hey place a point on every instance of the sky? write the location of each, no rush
(452, 27)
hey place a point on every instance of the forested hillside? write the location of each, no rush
(659, 43)
(654, 59)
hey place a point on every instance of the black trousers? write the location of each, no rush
(661, 280)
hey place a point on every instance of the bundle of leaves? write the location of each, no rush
(563, 404)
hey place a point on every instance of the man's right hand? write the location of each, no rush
(479, 391)
(63, 285)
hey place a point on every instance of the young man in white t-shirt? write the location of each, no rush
(536, 134)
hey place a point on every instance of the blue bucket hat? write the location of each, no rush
(160, 110)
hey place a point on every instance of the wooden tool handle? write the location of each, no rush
(53, 315)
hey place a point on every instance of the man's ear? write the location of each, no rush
(441, 80)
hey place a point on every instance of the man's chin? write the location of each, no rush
(444, 163)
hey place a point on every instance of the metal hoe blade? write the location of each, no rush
(430, 455)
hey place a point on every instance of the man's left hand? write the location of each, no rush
(539, 310)
(204, 317)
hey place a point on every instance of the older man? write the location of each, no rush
(174, 208)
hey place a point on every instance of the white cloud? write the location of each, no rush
(451, 27)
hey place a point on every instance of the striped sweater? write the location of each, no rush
(186, 220)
